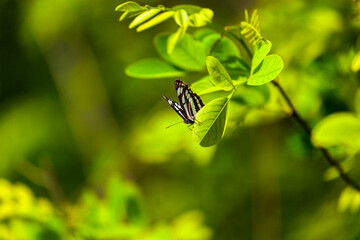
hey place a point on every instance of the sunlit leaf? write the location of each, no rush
(262, 49)
(188, 54)
(160, 42)
(220, 47)
(143, 17)
(206, 14)
(219, 74)
(338, 129)
(190, 9)
(269, 69)
(190, 226)
(204, 86)
(195, 20)
(174, 39)
(202, 33)
(349, 199)
(153, 68)
(250, 28)
(181, 17)
(129, 14)
(211, 122)
(355, 65)
(345, 199)
(155, 20)
(129, 6)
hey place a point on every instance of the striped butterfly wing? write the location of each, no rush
(190, 102)
(178, 108)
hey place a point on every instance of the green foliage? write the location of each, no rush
(338, 129)
(153, 68)
(270, 68)
(250, 28)
(225, 65)
(211, 122)
(155, 21)
(262, 49)
(355, 66)
(184, 16)
(219, 74)
(22, 216)
(118, 214)
(349, 200)
(188, 54)
(66, 102)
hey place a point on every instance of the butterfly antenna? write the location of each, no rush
(173, 124)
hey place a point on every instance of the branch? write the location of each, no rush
(349, 181)
(325, 152)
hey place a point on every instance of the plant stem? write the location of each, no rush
(325, 152)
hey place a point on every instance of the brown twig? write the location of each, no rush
(325, 152)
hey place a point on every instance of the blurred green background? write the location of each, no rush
(84, 153)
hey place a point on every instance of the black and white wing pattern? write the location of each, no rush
(177, 107)
(190, 103)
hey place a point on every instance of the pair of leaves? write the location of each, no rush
(264, 67)
(212, 117)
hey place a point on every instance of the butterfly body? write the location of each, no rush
(190, 103)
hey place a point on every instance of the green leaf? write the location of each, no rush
(338, 129)
(181, 17)
(153, 68)
(236, 67)
(268, 70)
(204, 86)
(250, 29)
(202, 33)
(251, 96)
(190, 9)
(219, 74)
(196, 21)
(355, 65)
(129, 6)
(160, 42)
(175, 38)
(261, 51)
(206, 14)
(211, 122)
(129, 14)
(201, 19)
(349, 199)
(143, 17)
(221, 47)
(188, 54)
(155, 20)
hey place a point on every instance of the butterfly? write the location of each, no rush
(190, 103)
